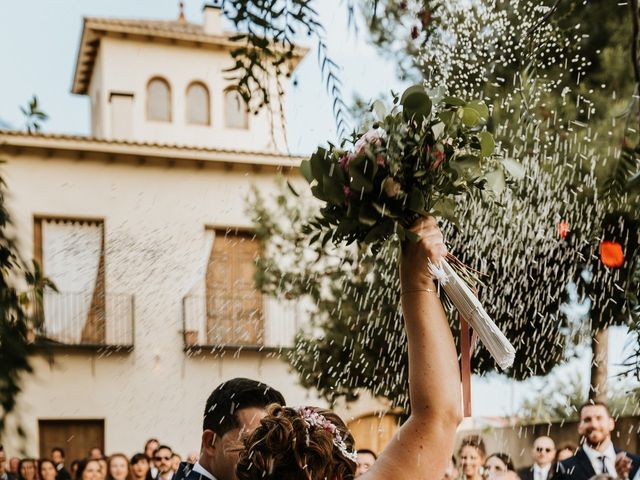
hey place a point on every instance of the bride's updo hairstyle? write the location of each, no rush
(298, 444)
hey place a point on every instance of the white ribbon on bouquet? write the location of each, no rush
(473, 312)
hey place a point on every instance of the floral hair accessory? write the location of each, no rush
(314, 419)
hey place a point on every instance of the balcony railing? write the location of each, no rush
(87, 320)
(220, 322)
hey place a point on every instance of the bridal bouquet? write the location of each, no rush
(416, 160)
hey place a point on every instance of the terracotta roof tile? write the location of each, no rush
(169, 26)
(154, 145)
(172, 30)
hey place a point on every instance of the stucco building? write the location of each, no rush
(142, 226)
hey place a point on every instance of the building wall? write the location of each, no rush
(98, 100)
(127, 66)
(154, 221)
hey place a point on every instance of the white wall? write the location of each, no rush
(154, 220)
(98, 100)
(128, 65)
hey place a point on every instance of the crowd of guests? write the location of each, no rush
(157, 462)
(594, 459)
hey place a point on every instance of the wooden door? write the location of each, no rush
(76, 437)
(234, 305)
(373, 432)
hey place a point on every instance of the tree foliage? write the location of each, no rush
(561, 92)
(560, 398)
(267, 31)
(22, 287)
(33, 116)
(21, 291)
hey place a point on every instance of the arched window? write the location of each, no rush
(235, 110)
(159, 100)
(198, 104)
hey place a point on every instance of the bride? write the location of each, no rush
(310, 443)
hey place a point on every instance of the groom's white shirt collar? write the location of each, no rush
(202, 471)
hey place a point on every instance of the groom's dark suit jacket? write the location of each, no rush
(579, 467)
(185, 472)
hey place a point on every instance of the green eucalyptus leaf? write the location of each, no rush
(360, 183)
(416, 102)
(335, 171)
(515, 169)
(347, 225)
(369, 166)
(417, 202)
(357, 164)
(332, 190)
(305, 170)
(454, 101)
(447, 117)
(480, 107)
(317, 192)
(470, 117)
(368, 215)
(385, 210)
(380, 231)
(487, 144)
(318, 164)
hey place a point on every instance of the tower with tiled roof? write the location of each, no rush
(164, 81)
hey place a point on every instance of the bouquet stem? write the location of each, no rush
(473, 312)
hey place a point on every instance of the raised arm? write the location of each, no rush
(424, 444)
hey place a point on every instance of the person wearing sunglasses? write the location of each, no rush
(543, 454)
(163, 459)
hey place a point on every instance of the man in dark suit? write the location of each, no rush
(596, 455)
(163, 456)
(234, 408)
(543, 454)
(57, 457)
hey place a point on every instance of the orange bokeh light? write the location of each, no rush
(611, 254)
(563, 229)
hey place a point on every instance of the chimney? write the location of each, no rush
(213, 17)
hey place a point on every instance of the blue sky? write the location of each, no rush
(39, 40)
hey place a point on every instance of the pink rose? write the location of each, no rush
(380, 160)
(372, 137)
(347, 191)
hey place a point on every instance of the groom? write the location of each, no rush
(233, 408)
(597, 456)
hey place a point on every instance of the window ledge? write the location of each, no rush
(44, 346)
(204, 349)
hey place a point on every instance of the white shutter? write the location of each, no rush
(70, 257)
